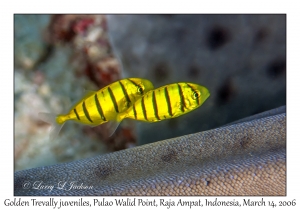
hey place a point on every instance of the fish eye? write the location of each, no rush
(140, 90)
(196, 95)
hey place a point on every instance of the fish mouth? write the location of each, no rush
(204, 93)
(148, 85)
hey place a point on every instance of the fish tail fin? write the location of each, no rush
(55, 121)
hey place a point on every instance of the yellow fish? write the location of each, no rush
(167, 102)
(102, 106)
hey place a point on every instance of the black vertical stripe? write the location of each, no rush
(194, 91)
(113, 99)
(182, 102)
(134, 111)
(155, 105)
(99, 108)
(133, 82)
(125, 94)
(137, 85)
(78, 118)
(144, 108)
(168, 101)
(86, 112)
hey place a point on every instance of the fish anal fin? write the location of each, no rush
(111, 127)
(95, 124)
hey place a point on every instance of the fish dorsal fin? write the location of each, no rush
(87, 93)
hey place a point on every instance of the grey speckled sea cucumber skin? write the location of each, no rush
(245, 158)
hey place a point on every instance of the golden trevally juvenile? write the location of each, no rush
(98, 107)
(167, 102)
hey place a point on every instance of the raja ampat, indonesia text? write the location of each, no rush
(181, 202)
(163, 202)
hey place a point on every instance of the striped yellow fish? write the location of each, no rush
(167, 102)
(102, 106)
